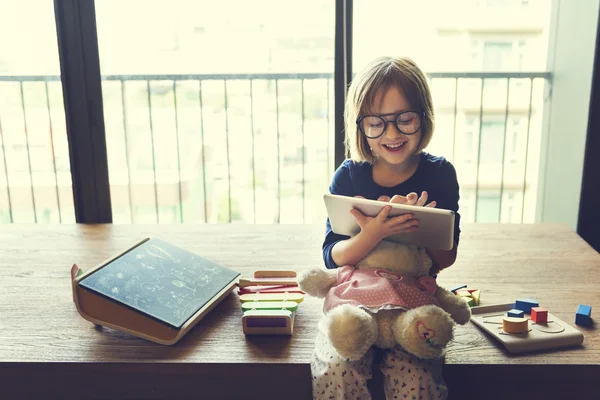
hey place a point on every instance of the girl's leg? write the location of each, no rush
(408, 377)
(337, 378)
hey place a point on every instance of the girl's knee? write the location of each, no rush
(340, 379)
(337, 378)
(406, 375)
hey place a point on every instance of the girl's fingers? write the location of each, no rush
(398, 199)
(400, 219)
(410, 226)
(360, 218)
(423, 199)
(383, 198)
(412, 198)
(432, 204)
(407, 230)
(383, 214)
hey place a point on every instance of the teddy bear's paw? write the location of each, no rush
(424, 331)
(352, 331)
(317, 281)
(461, 313)
(455, 305)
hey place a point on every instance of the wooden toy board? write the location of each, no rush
(556, 333)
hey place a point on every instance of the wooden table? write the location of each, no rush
(48, 350)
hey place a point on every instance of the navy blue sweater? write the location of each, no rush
(435, 175)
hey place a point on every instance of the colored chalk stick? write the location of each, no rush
(583, 316)
(469, 301)
(515, 325)
(514, 313)
(463, 292)
(526, 304)
(539, 315)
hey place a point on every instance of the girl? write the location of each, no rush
(389, 121)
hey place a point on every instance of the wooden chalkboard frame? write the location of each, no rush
(103, 311)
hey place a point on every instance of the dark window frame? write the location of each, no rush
(84, 115)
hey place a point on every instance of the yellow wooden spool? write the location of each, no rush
(515, 325)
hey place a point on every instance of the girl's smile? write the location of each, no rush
(393, 147)
(396, 147)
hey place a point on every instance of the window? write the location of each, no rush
(492, 142)
(496, 56)
(498, 3)
(208, 104)
(488, 206)
(513, 147)
(469, 155)
(510, 206)
(210, 119)
(35, 174)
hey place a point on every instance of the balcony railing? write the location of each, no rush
(255, 148)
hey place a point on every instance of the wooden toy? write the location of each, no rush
(471, 296)
(269, 289)
(281, 278)
(515, 325)
(526, 304)
(276, 273)
(267, 281)
(152, 290)
(554, 334)
(270, 305)
(454, 290)
(269, 301)
(515, 313)
(539, 315)
(583, 316)
(268, 322)
(296, 297)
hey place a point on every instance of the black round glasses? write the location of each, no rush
(373, 126)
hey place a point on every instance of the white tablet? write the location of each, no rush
(436, 225)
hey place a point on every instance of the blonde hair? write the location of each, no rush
(378, 77)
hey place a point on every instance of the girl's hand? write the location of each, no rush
(410, 199)
(440, 258)
(381, 226)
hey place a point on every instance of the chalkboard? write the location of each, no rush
(161, 280)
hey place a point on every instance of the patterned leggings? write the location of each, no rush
(404, 375)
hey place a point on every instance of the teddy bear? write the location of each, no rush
(387, 299)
